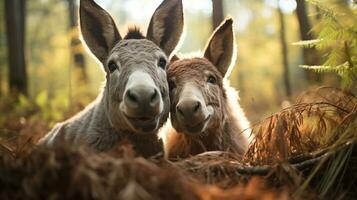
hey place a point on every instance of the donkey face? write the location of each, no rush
(136, 87)
(196, 85)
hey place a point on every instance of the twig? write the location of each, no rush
(303, 162)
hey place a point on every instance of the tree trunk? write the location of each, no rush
(15, 31)
(1, 71)
(284, 50)
(309, 54)
(217, 13)
(76, 50)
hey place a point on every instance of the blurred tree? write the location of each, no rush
(2, 47)
(309, 54)
(15, 27)
(76, 48)
(284, 51)
(217, 13)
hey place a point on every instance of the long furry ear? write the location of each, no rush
(220, 47)
(166, 25)
(98, 29)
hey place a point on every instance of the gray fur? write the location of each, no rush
(103, 123)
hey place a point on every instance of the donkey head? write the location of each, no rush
(196, 85)
(136, 90)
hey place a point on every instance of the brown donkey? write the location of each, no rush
(135, 102)
(205, 112)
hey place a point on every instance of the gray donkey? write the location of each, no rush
(134, 103)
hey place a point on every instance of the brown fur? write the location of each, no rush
(223, 134)
(224, 130)
(134, 33)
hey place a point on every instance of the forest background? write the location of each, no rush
(47, 75)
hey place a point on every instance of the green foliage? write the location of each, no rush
(336, 39)
(41, 108)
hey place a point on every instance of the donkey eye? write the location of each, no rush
(112, 67)
(162, 63)
(212, 79)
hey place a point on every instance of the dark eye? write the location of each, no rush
(212, 79)
(162, 63)
(112, 66)
(172, 85)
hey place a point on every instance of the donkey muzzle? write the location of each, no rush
(142, 102)
(192, 115)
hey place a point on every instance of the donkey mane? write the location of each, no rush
(134, 33)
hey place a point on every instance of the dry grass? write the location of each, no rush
(310, 146)
(306, 151)
(313, 123)
(79, 173)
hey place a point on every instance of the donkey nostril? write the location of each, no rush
(154, 96)
(197, 107)
(179, 110)
(131, 96)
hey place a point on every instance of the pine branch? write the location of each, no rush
(307, 43)
(337, 39)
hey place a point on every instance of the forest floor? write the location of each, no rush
(305, 151)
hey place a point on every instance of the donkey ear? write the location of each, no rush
(98, 29)
(166, 25)
(174, 58)
(220, 47)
